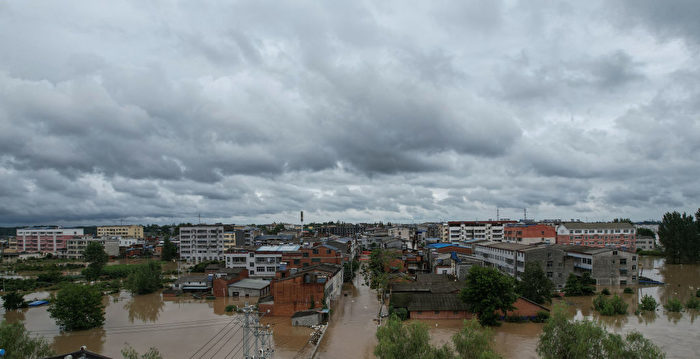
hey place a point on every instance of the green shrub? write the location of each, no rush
(628, 290)
(402, 313)
(608, 307)
(13, 300)
(674, 305)
(605, 291)
(697, 294)
(648, 303)
(231, 308)
(541, 317)
(692, 303)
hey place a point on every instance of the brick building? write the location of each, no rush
(51, 239)
(529, 233)
(304, 289)
(601, 235)
(305, 257)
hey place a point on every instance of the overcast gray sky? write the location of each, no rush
(249, 111)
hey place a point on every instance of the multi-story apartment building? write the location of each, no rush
(202, 243)
(608, 266)
(133, 231)
(646, 243)
(403, 233)
(600, 235)
(51, 239)
(529, 233)
(340, 229)
(76, 246)
(229, 240)
(467, 230)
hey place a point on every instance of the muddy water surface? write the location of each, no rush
(178, 327)
(186, 327)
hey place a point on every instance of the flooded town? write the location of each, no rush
(256, 179)
(187, 321)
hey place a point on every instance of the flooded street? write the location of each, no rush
(186, 327)
(351, 330)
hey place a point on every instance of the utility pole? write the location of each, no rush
(261, 334)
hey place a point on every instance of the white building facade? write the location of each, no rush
(485, 230)
(202, 243)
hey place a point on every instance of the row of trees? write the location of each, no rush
(407, 341)
(680, 236)
(561, 338)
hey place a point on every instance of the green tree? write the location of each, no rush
(534, 284)
(97, 257)
(131, 353)
(622, 220)
(19, 344)
(474, 341)
(169, 250)
(145, 279)
(488, 290)
(564, 338)
(77, 307)
(575, 285)
(13, 300)
(648, 303)
(398, 341)
(679, 236)
(645, 232)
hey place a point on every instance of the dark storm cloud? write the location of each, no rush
(352, 111)
(668, 19)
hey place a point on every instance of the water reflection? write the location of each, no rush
(94, 339)
(674, 317)
(646, 317)
(144, 308)
(14, 316)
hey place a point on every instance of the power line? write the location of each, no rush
(232, 336)
(212, 338)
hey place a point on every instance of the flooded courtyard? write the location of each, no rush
(185, 327)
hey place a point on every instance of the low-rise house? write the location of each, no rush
(249, 288)
(302, 289)
(197, 283)
(222, 277)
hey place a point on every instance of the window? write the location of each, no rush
(437, 312)
(623, 282)
(251, 255)
(296, 261)
(305, 254)
(455, 312)
(549, 274)
(614, 253)
(315, 251)
(315, 260)
(549, 264)
(623, 261)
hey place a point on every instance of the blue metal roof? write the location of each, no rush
(439, 245)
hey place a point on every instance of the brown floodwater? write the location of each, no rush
(186, 327)
(678, 334)
(178, 327)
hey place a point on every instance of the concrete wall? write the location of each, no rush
(307, 320)
(243, 292)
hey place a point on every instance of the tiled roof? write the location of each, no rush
(597, 225)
